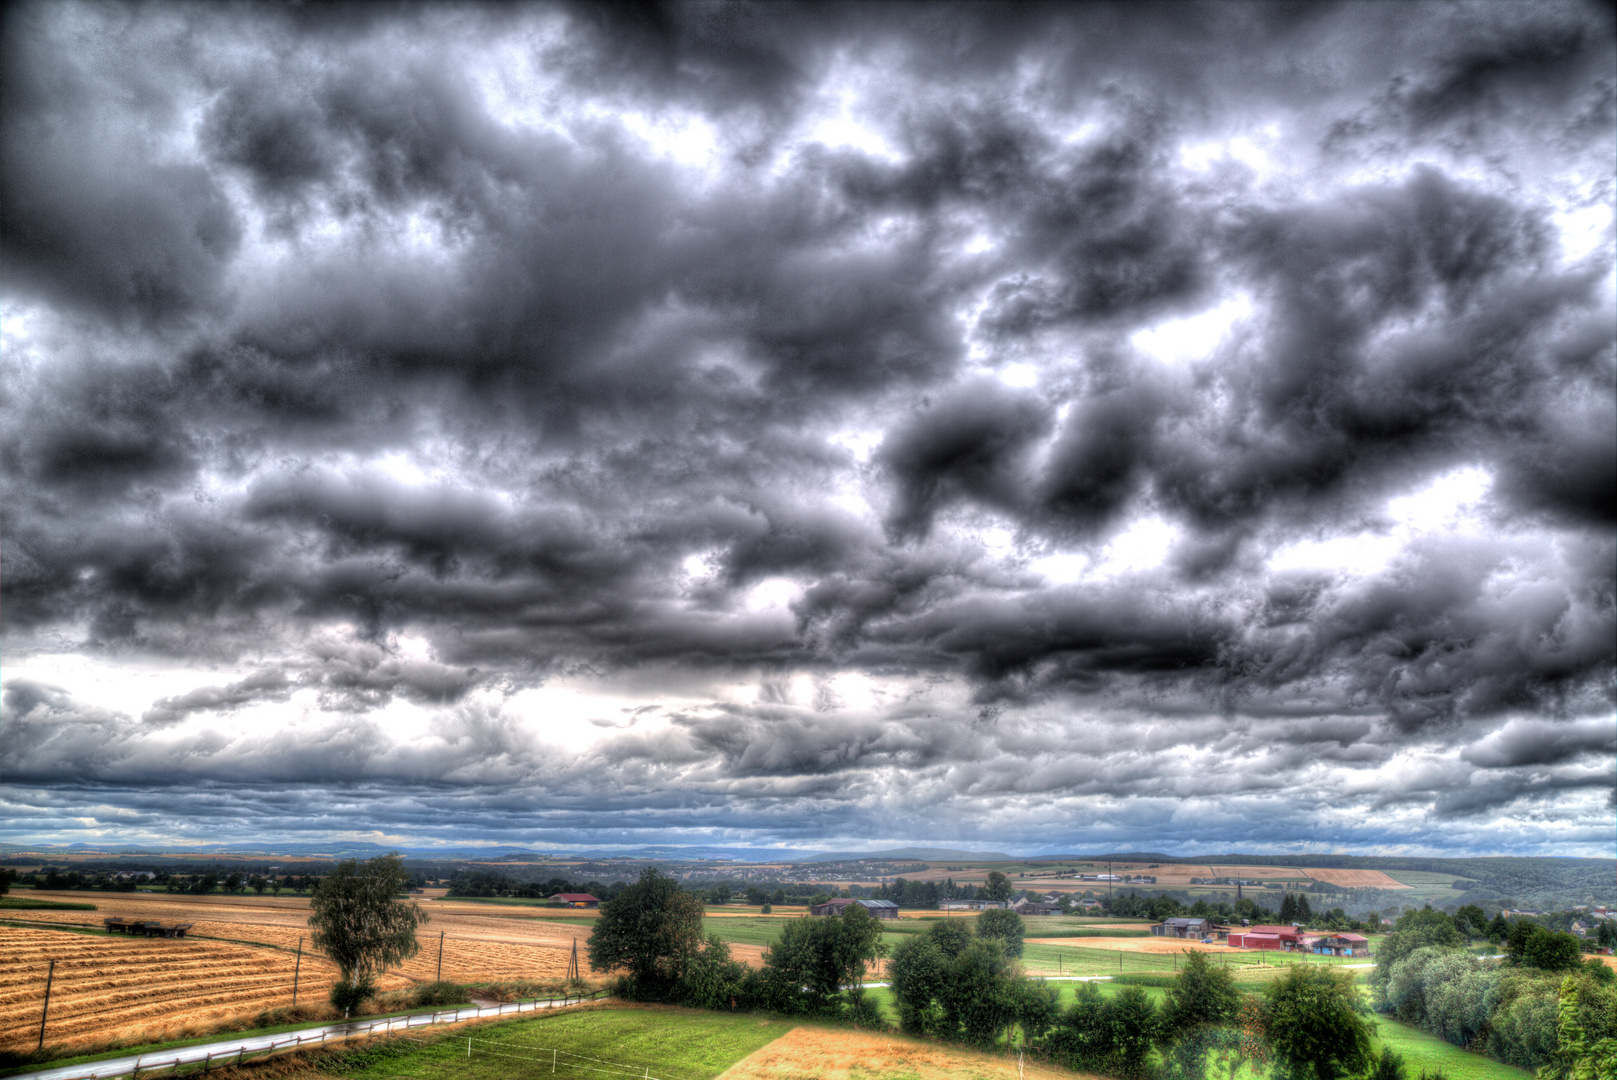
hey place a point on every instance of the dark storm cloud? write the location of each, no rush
(418, 358)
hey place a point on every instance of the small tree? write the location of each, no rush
(651, 929)
(360, 926)
(1004, 926)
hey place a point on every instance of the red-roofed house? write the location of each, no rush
(575, 899)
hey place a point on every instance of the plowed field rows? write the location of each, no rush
(106, 986)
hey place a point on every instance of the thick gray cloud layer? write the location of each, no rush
(1051, 377)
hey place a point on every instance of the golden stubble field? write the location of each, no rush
(808, 1053)
(239, 961)
(138, 988)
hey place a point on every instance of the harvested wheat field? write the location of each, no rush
(153, 988)
(1356, 879)
(807, 1053)
(480, 944)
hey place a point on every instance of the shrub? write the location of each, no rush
(348, 996)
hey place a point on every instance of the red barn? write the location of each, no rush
(575, 899)
(1267, 937)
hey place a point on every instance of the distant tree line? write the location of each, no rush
(489, 883)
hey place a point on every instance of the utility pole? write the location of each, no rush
(50, 973)
(297, 966)
(440, 976)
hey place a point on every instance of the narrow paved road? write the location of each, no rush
(228, 1050)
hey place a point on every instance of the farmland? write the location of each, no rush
(480, 943)
(137, 988)
(672, 1044)
(1358, 879)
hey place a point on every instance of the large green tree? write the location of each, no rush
(1107, 1034)
(359, 923)
(998, 886)
(1200, 1006)
(814, 958)
(1315, 1026)
(1531, 945)
(1421, 929)
(918, 973)
(1004, 926)
(652, 930)
(981, 992)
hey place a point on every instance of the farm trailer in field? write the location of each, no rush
(145, 927)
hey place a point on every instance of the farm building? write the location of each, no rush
(1089, 904)
(1286, 938)
(1340, 945)
(575, 899)
(879, 909)
(969, 905)
(1183, 928)
(1248, 940)
(1035, 907)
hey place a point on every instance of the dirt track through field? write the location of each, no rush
(161, 986)
(807, 1053)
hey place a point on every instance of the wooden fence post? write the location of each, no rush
(50, 975)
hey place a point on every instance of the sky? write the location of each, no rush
(1078, 428)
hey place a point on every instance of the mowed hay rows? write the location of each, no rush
(105, 987)
(480, 961)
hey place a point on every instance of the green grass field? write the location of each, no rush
(660, 1042)
(1422, 877)
(28, 903)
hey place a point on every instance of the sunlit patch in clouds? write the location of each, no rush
(809, 425)
(1449, 504)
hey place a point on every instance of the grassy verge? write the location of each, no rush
(1421, 1050)
(661, 1041)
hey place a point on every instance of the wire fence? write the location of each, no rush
(1080, 960)
(201, 1059)
(563, 1062)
